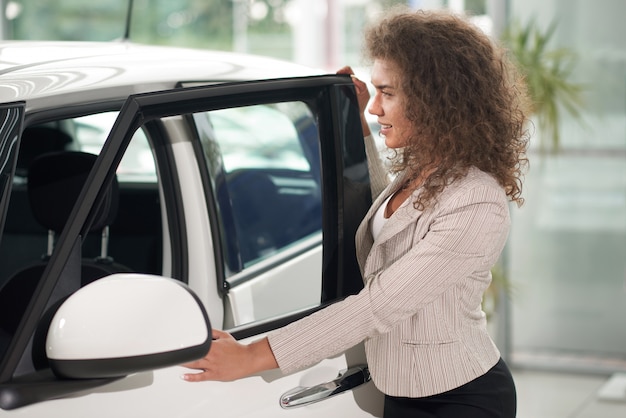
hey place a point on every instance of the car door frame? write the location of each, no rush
(340, 133)
(11, 120)
(336, 101)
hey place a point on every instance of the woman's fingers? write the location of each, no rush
(345, 70)
(197, 377)
(225, 361)
(362, 92)
(198, 364)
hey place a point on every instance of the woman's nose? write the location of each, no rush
(374, 108)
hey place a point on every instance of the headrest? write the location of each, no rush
(38, 140)
(54, 183)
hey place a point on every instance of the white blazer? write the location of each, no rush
(420, 310)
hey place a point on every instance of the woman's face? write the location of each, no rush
(387, 104)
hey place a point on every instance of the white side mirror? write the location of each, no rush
(126, 323)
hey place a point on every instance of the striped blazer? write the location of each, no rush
(419, 312)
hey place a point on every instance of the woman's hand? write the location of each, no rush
(362, 94)
(229, 360)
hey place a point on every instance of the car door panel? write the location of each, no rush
(163, 394)
(256, 299)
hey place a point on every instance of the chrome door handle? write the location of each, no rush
(346, 380)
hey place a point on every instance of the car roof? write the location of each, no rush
(48, 74)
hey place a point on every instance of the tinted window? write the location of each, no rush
(273, 189)
(266, 169)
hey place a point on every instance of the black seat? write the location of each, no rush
(23, 237)
(54, 183)
(272, 209)
(256, 215)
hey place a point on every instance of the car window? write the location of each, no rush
(274, 193)
(268, 191)
(137, 165)
(87, 134)
(259, 137)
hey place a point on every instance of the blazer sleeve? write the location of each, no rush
(467, 234)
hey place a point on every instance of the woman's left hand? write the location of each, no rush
(229, 360)
(363, 96)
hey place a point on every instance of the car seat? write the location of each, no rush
(257, 216)
(23, 237)
(54, 184)
(36, 141)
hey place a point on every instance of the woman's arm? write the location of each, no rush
(464, 237)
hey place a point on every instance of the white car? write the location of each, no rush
(149, 194)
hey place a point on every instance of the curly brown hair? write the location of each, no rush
(467, 103)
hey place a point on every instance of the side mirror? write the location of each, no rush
(127, 323)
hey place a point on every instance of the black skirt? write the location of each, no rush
(491, 395)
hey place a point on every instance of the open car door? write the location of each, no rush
(257, 254)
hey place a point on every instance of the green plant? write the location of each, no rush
(547, 73)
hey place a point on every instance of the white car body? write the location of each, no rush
(56, 84)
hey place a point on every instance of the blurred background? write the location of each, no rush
(559, 301)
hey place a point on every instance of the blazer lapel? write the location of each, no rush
(366, 247)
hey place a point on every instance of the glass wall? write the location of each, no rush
(567, 250)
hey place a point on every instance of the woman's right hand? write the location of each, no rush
(229, 360)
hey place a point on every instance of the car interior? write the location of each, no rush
(286, 209)
(134, 230)
(125, 236)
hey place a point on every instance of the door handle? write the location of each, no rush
(346, 380)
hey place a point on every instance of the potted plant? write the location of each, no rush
(547, 72)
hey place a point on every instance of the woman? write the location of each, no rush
(450, 106)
